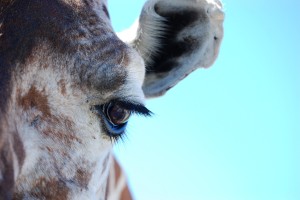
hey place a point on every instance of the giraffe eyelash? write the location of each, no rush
(118, 109)
(133, 107)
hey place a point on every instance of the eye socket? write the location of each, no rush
(116, 114)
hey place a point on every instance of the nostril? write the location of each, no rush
(215, 38)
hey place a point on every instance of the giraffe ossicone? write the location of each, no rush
(69, 84)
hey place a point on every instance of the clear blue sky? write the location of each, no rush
(230, 132)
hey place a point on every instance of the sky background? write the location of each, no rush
(230, 132)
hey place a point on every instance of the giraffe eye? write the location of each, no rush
(116, 114)
(114, 118)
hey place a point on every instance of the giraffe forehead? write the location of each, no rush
(76, 30)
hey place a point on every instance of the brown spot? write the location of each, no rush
(125, 195)
(62, 86)
(50, 189)
(35, 99)
(83, 177)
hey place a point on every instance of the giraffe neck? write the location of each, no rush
(117, 187)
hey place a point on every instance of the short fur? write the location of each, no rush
(59, 59)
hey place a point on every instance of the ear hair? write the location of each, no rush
(146, 33)
(151, 31)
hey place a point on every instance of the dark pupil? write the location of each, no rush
(117, 114)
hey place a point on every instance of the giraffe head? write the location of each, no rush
(71, 86)
(68, 85)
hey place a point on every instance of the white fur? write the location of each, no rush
(144, 34)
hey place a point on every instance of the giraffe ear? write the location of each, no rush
(175, 37)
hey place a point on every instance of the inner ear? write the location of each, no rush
(179, 36)
(176, 38)
(172, 46)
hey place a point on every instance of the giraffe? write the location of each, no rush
(69, 85)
